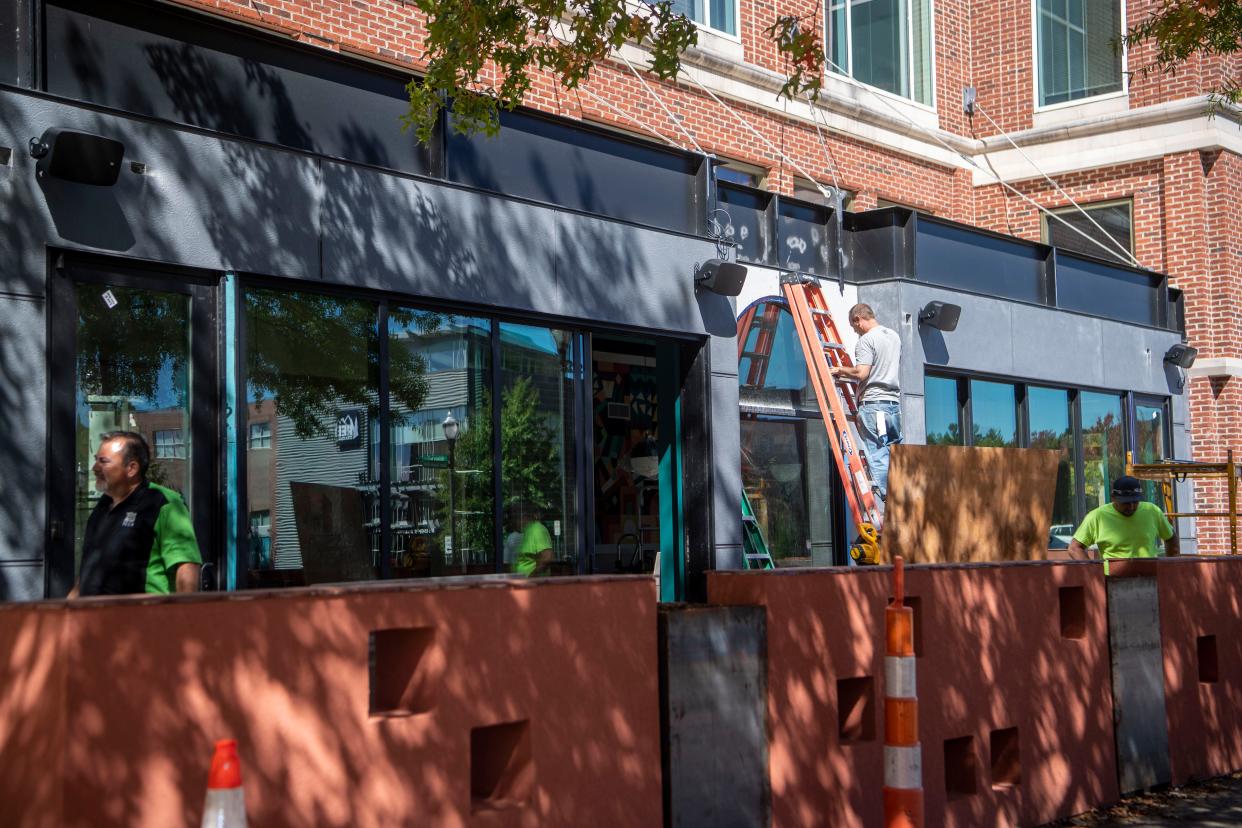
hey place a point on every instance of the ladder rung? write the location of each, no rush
(755, 354)
(836, 346)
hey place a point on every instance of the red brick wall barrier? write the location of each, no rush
(496, 703)
(1201, 634)
(1013, 684)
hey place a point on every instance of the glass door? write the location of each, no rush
(130, 351)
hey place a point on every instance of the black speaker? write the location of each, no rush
(724, 278)
(1183, 356)
(78, 157)
(940, 315)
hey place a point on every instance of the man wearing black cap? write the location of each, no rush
(1126, 528)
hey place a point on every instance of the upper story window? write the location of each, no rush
(735, 172)
(1077, 55)
(720, 15)
(1114, 218)
(883, 43)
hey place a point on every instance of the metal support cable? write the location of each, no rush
(631, 119)
(760, 136)
(929, 133)
(823, 145)
(660, 101)
(1059, 189)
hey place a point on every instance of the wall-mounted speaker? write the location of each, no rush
(79, 157)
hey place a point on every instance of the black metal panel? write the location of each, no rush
(696, 440)
(876, 244)
(1106, 290)
(955, 256)
(574, 166)
(743, 213)
(186, 68)
(802, 236)
(1177, 310)
(11, 13)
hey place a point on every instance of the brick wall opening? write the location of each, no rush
(1073, 601)
(856, 710)
(960, 767)
(405, 676)
(1006, 758)
(502, 768)
(1209, 673)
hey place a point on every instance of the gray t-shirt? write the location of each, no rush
(880, 348)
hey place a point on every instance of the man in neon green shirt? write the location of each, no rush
(1128, 527)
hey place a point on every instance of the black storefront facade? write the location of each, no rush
(292, 300)
(359, 358)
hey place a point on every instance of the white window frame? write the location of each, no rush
(849, 52)
(177, 444)
(250, 446)
(707, 26)
(1035, 67)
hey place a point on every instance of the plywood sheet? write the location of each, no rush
(951, 504)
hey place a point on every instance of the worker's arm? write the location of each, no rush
(186, 577)
(1172, 547)
(858, 372)
(73, 593)
(1077, 551)
(543, 563)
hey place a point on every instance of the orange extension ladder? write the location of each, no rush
(837, 397)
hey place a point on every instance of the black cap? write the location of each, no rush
(1127, 489)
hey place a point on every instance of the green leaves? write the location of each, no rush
(483, 55)
(1181, 29)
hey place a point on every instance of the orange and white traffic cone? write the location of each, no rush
(903, 755)
(225, 806)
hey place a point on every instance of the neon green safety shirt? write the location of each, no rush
(1118, 536)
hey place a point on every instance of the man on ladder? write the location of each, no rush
(877, 359)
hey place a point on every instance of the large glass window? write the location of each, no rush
(1103, 445)
(538, 480)
(883, 43)
(940, 405)
(1078, 56)
(993, 414)
(442, 491)
(312, 368)
(788, 471)
(1089, 429)
(785, 475)
(1150, 441)
(1048, 410)
(715, 14)
(132, 365)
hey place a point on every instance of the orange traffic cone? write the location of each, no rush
(225, 806)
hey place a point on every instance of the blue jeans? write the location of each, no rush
(876, 444)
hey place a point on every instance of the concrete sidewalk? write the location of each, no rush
(1215, 803)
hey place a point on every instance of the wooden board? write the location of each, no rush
(951, 504)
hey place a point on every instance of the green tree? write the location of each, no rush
(483, 54)
(1181, 29)
(315, 352)
(529, 468)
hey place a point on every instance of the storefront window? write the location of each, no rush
(440, 365)
(940, 407)
(785, 475)
(312, 366)
(1048, 410)
(993, 414)
(1150, 446)
(1103, 445)
(538, 481)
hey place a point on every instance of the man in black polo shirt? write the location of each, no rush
(139, 538)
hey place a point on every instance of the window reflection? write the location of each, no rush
(994, 414)
(1103, 445)
(538, 482)
(940, 408)
(440, 364)
(1149, 430)
(1050, 429)
(786, 475)
(312, 373)
(782, 379)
